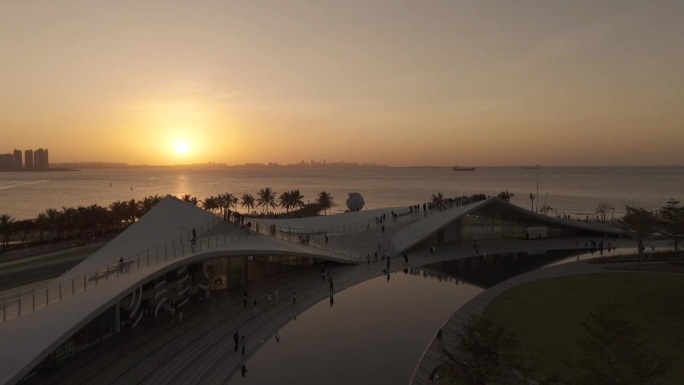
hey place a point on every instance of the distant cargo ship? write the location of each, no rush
(458, 168)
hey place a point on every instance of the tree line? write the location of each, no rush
(87, 222)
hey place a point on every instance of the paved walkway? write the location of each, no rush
(200, 349)
(433, 356)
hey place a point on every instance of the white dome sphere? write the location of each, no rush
(355, 202)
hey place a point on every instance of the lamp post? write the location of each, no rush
(536, 210)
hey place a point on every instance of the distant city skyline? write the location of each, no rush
(393, 82)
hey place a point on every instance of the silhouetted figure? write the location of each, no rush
(277, 336)
(243, 370)
(194, 234)
(121, 265)
(326, 239)
(244, 300)
(294, 298)
(236, 339)
(332, 286)
(332, 300)
(243, 342)
(405, 258)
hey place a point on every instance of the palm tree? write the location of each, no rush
(133, 210)
(41, 224)
(248, 201)
(231, 200)
(156, 198)
(52, 221)
(297, 199)
(210, 203)
(102, 217)
(68, 220)
(146, 205)
(119, 212)
(6, 228)
(437, 199)
(25, 227)
(285, 200)
(532, 196)
(86, 221)
(505, 195)
(640, 224)
(267, 197)
(325, 200)
(189, 199)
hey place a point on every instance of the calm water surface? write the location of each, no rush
(570, 190)
(374, 333)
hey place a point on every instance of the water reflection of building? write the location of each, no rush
(487, 271)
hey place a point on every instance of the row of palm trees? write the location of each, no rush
(266, 198)
(86, 222)
(80, 222)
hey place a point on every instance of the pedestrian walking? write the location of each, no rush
(332, 286)
(294, 298)
(244, 300)
(368, 258)
(405, 258)
(236, 339)
(268, 298)
(326, 239)
(277, 336)
(243, 342)
(256, 309)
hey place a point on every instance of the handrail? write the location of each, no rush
(23, 302)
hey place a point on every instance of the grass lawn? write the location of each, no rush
(547, 314)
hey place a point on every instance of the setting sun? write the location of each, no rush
(182, 147)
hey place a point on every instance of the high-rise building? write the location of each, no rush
(40, 159)
(6, 161)
(28, 159)
(17, 160)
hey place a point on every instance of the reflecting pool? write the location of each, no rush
(374, 332)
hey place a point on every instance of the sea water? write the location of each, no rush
(575, 191)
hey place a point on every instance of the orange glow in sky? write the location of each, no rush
(388, 81)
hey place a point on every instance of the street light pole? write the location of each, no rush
(537, 208)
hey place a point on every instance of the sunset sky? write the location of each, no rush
(388, 81)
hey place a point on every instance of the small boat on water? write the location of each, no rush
(459, 168)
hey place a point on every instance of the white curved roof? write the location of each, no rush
(28, 339)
